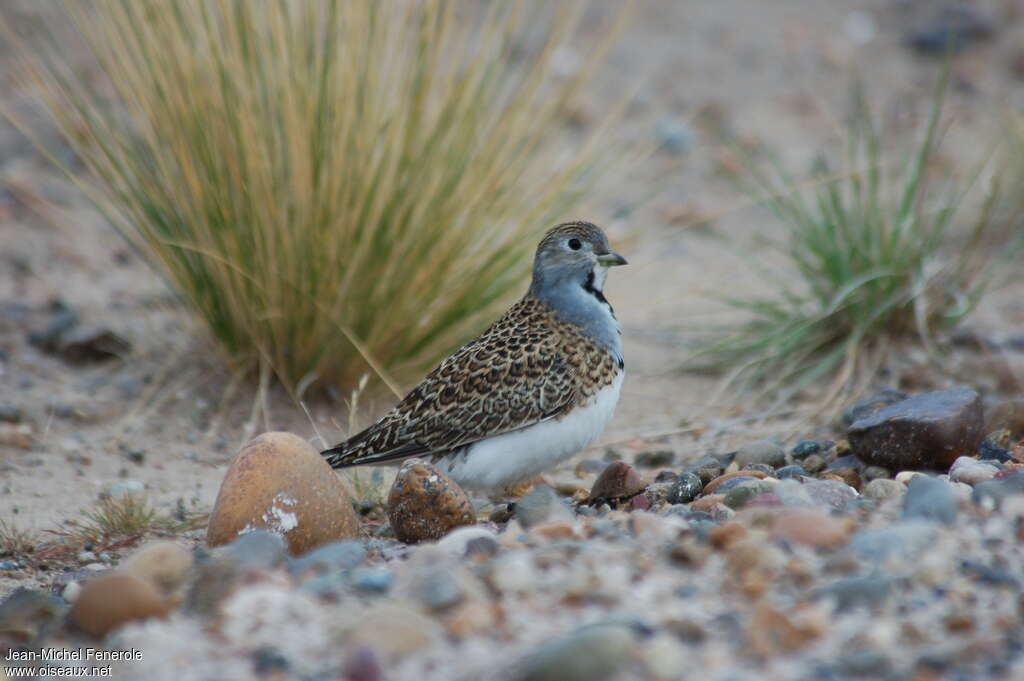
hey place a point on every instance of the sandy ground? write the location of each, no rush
(775, 72)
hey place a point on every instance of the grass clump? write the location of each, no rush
(879, 257)
(114, 523)
(329, 184)
(15, 541)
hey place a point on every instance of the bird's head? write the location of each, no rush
(574, 252)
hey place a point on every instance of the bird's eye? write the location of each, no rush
(575, 244)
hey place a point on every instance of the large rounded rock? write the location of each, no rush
(280, 483)
(924, 432)
(424, 503)
(109, 601)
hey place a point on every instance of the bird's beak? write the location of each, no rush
(611, 259)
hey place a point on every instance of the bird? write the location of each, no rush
(536, 387)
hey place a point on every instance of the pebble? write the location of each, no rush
(362, 664)
(873, 473)
(685, 489)
(339, 555)
(674, 135)
(394, 632)
(459, 541)
(109, 601)
(278, 482)
(792, 471)
(713, 486)
(805, 448)
(971, 471)
(163, 564)
(124, 488)
(812, 527)
(832, 493)
(905, 540)
(618, 481)
(26, 615)
(815, 463)
(425, 503)
(989, 449)
(761, 452)
(591, 653)
(881, 489)
(436, 588)
(871, 405)
(16, 435)
(541, 504)
(850, 592)
(738, 496)
(707, 468)
(655, 459)
(377, 580)
(930, 499)
(924, 432)
(10, 413)
(257, 550)
(952, 26)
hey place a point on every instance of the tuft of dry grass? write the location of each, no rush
(881, 253)
(332, 186)
(117, 522)
(15, 541)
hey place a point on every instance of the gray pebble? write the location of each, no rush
(540, 505)
(850, 592)
(761, 451)
(904, 539)
(881, 489)
(793, 471)
(437, 588)
(258, 550)
(739, 495)
(339, 555)
(930, 499)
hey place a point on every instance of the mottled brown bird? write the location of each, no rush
(532, 390)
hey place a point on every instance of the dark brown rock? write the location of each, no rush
(870, 405)
(618, 481)
(425, 504)
(924, 432)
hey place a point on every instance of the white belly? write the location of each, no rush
(503, 460)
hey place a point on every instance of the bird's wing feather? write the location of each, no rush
(526, 368)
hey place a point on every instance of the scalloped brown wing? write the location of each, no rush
(526, 368)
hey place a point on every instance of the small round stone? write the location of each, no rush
(805, 448)
(792, 471)
(425, 503)
(761, 451)
(618, 481)
(163, 564)
(109, 601)
(738, 496)
(685, 489)
(881, 489)
(814, 463)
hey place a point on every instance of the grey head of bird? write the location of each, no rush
(569, 272)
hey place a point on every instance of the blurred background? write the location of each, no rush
(218, 218)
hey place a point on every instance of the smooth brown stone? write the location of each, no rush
(278, 482)
(108, 601)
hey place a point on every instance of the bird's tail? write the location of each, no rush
(340, 456)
